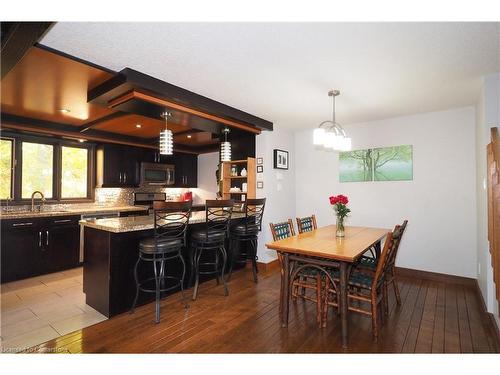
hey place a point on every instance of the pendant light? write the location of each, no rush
(330, 134)
(166, 137)
(225, 147)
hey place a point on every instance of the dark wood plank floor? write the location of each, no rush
(434, 317)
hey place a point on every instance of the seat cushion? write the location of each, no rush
(212, 235)
(249, 229)
(160, 245)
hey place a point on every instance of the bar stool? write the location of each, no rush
(212, 240)
(247, 233)
(171, 220)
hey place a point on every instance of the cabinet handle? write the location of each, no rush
(22, 224)
(40, 239)
(124, 177)
(120, 177)
(62, 221)
(47, 238)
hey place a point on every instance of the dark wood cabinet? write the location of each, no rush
(36, 246)
(186, 170)
(117, 166)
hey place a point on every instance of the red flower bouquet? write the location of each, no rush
(339, 203)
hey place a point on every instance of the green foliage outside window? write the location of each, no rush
(74, 172)
(5, 169)
(37, 169)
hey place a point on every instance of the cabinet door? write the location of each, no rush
(112, 166)
(21, 241)
(190, 168)
(129, 166)
(62, 239)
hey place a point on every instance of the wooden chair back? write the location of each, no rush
(388, 255)
(306, 224)
(282, 230)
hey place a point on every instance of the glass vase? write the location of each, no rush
(340, 231)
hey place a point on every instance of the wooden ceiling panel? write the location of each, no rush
(127, 125)
(44, 82)
(195, 139)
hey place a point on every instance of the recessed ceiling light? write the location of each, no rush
(189, 136)
(81, 140)
(64, 110)
(138, 126)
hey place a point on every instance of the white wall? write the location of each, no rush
(440, 202)
(207, 183)
(279, 185)
(488, 115)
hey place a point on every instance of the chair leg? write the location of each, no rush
(386, 300)
(217, 268)
(184, 301)
(196, 272)
(157, 282)
(231, 258)
(254, 260)
(224, 261)
(318, 299)
(324, 307)
(192, 255)
(136, 278)
(396, 288)
(374, 317)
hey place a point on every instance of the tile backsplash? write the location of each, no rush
(125, 196)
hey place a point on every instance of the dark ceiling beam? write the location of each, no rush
(91, 124)
(17, 39)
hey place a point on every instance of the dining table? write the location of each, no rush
(323, 250)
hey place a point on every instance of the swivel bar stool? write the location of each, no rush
(211, 241)
(247, 234)
(171, 220)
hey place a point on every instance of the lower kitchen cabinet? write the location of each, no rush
(38, 246)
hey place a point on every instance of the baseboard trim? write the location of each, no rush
(434, 276)
(266, 267)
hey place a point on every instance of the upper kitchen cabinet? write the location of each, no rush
(186, 170)
(117, 166)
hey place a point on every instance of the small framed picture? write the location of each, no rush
(280, 159)
(259, 161)
(260, 168)
(260, 184)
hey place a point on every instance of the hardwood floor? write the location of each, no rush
(434, 317)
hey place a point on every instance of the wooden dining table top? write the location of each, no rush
(323, 243)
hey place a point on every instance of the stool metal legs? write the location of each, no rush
(235, 244)
(197, 252)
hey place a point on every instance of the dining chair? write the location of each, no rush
(370, 263)
(306, 224)
(369, 287)
(306, 279)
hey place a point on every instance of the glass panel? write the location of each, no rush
(37, 169)
(74, 172)
(155, 175)
(5, 168)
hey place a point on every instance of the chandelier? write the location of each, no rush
(166, 137)
(330, 133)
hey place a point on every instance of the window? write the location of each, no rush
(6, 160)
(37, 169)
(74, 172)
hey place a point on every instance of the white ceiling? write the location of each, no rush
(283, 71)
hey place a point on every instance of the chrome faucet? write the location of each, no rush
(42, 200)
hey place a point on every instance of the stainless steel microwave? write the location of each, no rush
(156, 174)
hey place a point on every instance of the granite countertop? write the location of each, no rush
(68, 211)
(136, 223)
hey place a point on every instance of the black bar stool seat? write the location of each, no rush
(247, 233)
(211, 242)
(171, 220)
(159, 246)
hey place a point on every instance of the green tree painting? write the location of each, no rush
(356, 166)
(378, 164)
(393, 163)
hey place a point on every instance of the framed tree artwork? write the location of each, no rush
(280, 159)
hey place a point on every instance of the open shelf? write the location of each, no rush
(229, 181)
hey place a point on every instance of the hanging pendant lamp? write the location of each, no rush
(330, 134)
(166, 137)
(225, 147)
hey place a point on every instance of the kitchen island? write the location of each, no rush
(111, 251)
